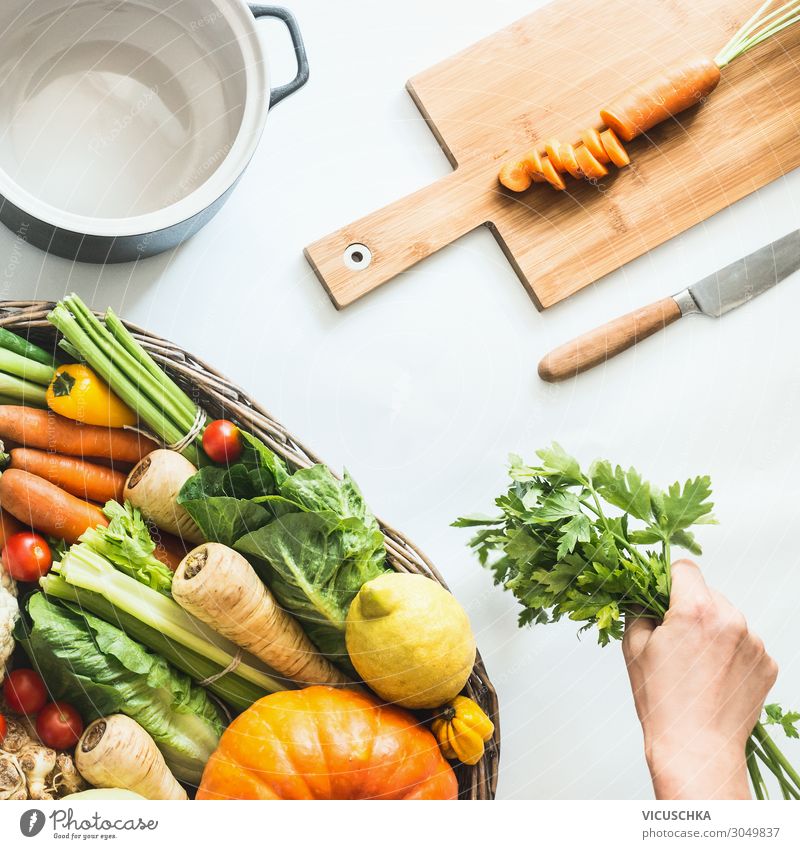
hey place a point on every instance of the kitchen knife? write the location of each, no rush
(721, 292)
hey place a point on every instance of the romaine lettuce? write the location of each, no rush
(310, 536)
(100, 670)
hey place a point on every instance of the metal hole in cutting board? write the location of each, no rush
(357, 257)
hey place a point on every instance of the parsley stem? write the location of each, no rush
(628, 546)
(760, 733)
(787, 790)
(668, 566)
(756, 779)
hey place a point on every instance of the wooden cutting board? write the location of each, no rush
(547, 75)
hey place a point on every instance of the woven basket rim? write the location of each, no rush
(218, 392)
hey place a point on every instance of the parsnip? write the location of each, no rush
(153, 486)
(218, 586)
(118, 752)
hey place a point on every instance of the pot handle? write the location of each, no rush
(280, 92)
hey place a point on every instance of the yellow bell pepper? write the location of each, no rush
(462, 729)
(77, 393)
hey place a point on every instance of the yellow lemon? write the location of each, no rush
(410, 640)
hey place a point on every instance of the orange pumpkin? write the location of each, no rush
(324, 743)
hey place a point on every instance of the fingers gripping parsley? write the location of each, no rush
(592, 546)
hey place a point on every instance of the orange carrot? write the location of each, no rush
(552, 176)
(9, 526)
(591, 138)
(42, 429)
(47, 508)
(515, 176)
(85, 480)
(613, 147)
(552, 149)
(590, 167)
(567, 156)
(532, 163)
(663, 96)
(170, 550)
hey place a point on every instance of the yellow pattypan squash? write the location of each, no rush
(77, 393)
(462, 728)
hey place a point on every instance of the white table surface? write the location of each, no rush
(423, 388)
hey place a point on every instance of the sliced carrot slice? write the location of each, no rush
(532, 163)
(613, 147)
(514, 176)
(567, 156)
(551, 148)
(591, 138)
(552, 176)
(620, 123)
(590, 167)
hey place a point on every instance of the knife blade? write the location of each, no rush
(713, 296)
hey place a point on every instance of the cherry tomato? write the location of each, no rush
(222, 441)
(24, 691)
(3, 728)
(59, 725)
(27, 557)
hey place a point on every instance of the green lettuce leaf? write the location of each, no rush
(310, 536)
(317, 489)
(100, 670)
(315, 564)
(227, 503)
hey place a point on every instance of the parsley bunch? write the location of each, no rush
(594, 545)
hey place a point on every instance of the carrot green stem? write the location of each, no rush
(760, 27)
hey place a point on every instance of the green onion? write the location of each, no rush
(16, 364)
(11, 342)
(761, 26)
(85, 569)
(233, 690)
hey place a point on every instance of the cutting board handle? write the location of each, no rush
(363, 255)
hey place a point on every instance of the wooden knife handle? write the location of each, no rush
(607, 341)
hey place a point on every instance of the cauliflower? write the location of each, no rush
(9, 612)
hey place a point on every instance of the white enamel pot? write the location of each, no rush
(126, 124)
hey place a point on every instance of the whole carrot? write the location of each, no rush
(45, 430)
(9, 526)
(42, 505)
(663, 96)
(89, 481)
(169, 549)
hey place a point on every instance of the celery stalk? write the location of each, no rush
(125, 388)
(129, 370)
(19, 366)
(22, 390)
(83, 568)
(145, 382)
(124, 338)
(12, 342)
(8, 401)
(231, 688)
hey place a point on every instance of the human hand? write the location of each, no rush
(699, 683)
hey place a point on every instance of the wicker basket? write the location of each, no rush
(221, 398)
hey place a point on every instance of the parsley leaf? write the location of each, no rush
(587, 545)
